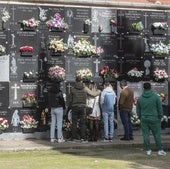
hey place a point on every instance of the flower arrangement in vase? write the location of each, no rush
(30, 24)
(135, 119)
(57, 23)
(26, 50)
(2, 49)
(3, 124)
(5, 17)
(29, 77)
(159, 27)
(85, 74)
(57, 46)
(137, 26)
(87, 23)
(29, 99)
(135, 74)
(107, 72)
(56, 73)
(160, 49)
(83, 48)
(28, 122)
(160, 75)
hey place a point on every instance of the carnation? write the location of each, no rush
(84, 74)
(3, 123)
(135, 73)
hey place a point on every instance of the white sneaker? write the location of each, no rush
(161, 153)
(53, 140)
(61, 140)
(149, 152)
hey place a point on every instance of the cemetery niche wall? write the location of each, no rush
(132, 44)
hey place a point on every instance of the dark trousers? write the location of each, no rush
(126, 121)
(79, 120)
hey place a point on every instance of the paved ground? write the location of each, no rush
(16, 144)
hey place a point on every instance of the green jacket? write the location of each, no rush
(149, 104)
(79, 93)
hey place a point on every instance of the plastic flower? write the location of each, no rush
(56, 73)
(5, 15)
(160, 74)
(106, 72)
(2, 49)
(113, 22)
(26, 49)
(3, 123)
(28, 122)
(84, 74)
(138, 26)
(135, 119)
(99, 51)
(31, 22)
(58, 45)
(135, 73)
(83, 48)
(160, 48)
(88, 22)
(57, 22)
(160, 25)
(29, 98)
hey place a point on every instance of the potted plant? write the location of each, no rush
(57, 23)
(29, 24)
(137, 26)
(5, 17)
(29, 77)
(160, 49)
(135, 120)
(2, 49)
(87, 23)
(135, 74)
(113, 25)
(57, 47)
(159, 27)
(28, 124)
(56, 73)
(29, 100)
(160, 75)
(85, 74)
(3, 124)
(26, 50)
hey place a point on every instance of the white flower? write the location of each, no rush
(2, 49)
(5, 15)
(135, 73)
(160, 48)
(88, 22)
(160, 74)
(84, 73)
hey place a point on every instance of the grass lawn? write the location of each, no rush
(99, 158)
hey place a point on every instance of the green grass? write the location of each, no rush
(99, 158)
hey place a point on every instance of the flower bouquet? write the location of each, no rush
(29, 100)
(5, 17)
(137, 26)
(87, 23)
(106, 72)
(56, 73)
(159, 27)
(29, 77)
(83, 48)
(57, 23)
(135, 74)
(2, 49)
(135, 120)
(29, 24)
(160, 49)
(3, 124)
(26, 50)
(160, 75)
(85, 74)
(28, 122)
(164, 122)
(57, 46)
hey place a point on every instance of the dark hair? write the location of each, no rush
(78, 79)
(123, 82)
(147, 86)
(107, 84)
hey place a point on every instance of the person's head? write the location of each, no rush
(107, 84)
(123, 83)
(78, 79)
(147, 86)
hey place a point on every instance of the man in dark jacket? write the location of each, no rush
(125, 104)
(78, 97)
(149, 111)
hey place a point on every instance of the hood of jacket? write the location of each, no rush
(79, 86)
(147, 93)
(108, 89)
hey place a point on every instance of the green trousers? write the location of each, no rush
(151, 124)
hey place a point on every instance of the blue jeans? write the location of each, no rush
(108, 118)
(127, 125)
(56, 119)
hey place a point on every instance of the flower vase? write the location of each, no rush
(159, 80)
(157, 31)
(29, 105)
(26, 54)
(28, 130)
(134, 79)
(54, 53)
(86, 28)
(27, 28)
(55, 29)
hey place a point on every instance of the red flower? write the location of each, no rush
(26, 49)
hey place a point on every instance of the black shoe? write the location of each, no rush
(124, 139)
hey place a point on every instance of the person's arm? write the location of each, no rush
(92, 93)
(102, 97)
(159, 108)
(138, 109)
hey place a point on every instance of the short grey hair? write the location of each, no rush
(123, 82)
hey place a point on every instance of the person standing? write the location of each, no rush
(125, 105)
(149, 111)
(77, 102)
(57, 105)
(107, 100)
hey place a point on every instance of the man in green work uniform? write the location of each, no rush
(149, 110)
